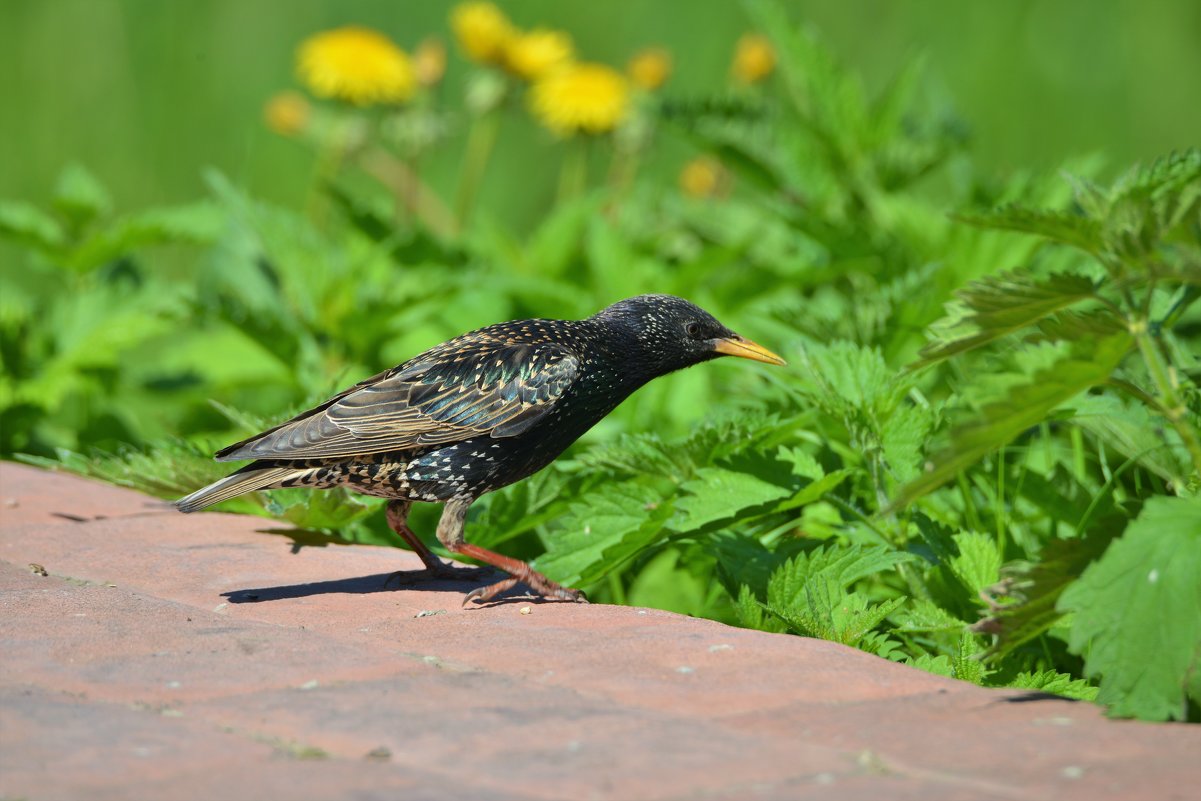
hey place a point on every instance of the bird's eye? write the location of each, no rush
(692, 329)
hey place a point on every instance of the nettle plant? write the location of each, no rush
(1106, 348)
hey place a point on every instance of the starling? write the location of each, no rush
(475, 414)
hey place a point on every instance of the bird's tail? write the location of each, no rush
(237, 484)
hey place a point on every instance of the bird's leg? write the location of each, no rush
(397, 515)
(450, 534)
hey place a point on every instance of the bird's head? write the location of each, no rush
(669, 333)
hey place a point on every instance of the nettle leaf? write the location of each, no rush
(1050, 681)
(1033, 589)
(599, 534)
(80, 197)
(195, 223)
(977, 564)
(1071, 325)
(329, 509)
(26, 224)
(1137, 613)
(966, 662)
(810, 592)
(1148, 202)
(752, 614)
(719, 494)
(903, 437)
(999, 305)
(1133, 431)
(1024, 406)
(1071, 229)
(940, 665)
(845, 378)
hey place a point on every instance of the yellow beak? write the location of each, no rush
(744, 348)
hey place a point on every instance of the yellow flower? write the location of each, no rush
(429, 61)
(754, 58)
(287, 113)
(536, 53)
(592, 98)
(704, 176)
(483, 30)
(649, 68)
(355, 64)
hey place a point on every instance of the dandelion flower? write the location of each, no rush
(355, 64)
(592, 98)
(483, 30)
(536, 53)
(754, 58)
(704, 176)
(287, 113)
(649, 68)
(429, 61)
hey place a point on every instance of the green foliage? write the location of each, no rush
(984, 445)
(811, 593)
(1137, 613)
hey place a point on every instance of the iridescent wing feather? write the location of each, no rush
(472, 386)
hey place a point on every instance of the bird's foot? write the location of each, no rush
(438, 571)
(535, 581)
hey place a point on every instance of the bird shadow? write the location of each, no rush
(357, 585)
(378, 582)
(384, 582)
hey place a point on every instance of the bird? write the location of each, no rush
(475, 414)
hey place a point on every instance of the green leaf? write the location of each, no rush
(1138, 613)
(1071, 229)
(1025, 405)
(79, 197)
(810, 592)
(556, 243)
(26, 224)
(904, 437)
(1050, 681)
(601, 533)
(1032, 591)
(195, 224)
(1071, 325)
(978, 563)
(1130, 429)
(940, 665)
(967, 665)
(719, 494)
(752, 614)
(999, 305)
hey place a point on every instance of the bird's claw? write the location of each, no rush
(537, 582)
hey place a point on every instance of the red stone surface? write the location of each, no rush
(141, 667)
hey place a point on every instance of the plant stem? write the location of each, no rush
(480, 143)
(573, 174)
(1173, 408)
(412, 194)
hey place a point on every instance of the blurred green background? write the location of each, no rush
(147, 93)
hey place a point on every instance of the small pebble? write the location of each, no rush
(684, 669)
(1072, 772)
(723, 647)
(310, 685)
(379, 754)
(37, 569)
(430, 612)
(525, 610)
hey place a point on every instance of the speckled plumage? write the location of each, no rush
(477, 413)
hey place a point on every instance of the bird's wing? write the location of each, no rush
(446, 395)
